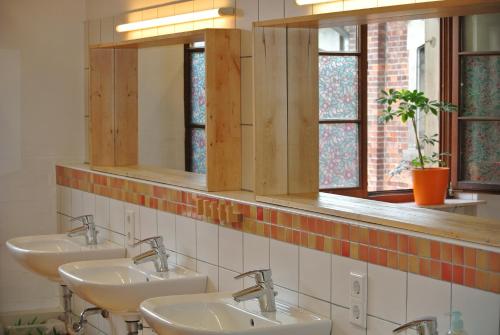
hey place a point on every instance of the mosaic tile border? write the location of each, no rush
(457, 264)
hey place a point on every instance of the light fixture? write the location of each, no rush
(311, 2)
(175, 19)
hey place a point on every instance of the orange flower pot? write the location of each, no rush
(430, 185)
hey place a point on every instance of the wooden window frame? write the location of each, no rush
(188, 110)
(451, 33)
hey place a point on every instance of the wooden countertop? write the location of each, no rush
(421, 220)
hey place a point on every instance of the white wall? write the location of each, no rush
(161, 106)
(41, 122)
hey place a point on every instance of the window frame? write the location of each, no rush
(453, 33)
(188, 110)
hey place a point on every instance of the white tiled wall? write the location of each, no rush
(311, 279)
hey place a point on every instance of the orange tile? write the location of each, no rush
(337, 247)
(373, 237)
(403, 243)
(328, 228)
(382, 257)
(446, 252)
(289, 236)
(311, 224)
(435, 269)
(266, 215)
(320, 227)
(458, 255)
(423, 247)
(494, 261)
(295, 222)
(363, 253)
(373, 255)
(424, 267)
(383, 239)
(392, 241)
(495, 282)
(469, 277)
(345, 232)
(470, 257)
(345, 248)
(274, 232)
(435, 250)
(304, 239)
(392, 259)
(446, 272)
(320, 243)
(482, 280)
(296, 237)
(303, 223)
(355, 233)
(284, 219)
(274, 216)
(337, 230)
(412, 245)
(482, 260)
(413, 264)
(403, 262)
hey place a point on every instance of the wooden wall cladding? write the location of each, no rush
(223, 129)
(286, 111)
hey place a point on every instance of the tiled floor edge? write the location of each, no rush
(450, 262)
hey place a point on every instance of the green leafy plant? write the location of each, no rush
(36, 330)
(405, 105)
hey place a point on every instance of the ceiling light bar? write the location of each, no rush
(311, 2)
(175, 19)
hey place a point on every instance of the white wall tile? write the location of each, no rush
(116, 216)
(66, 200)
(88, 203)
(102, 211)
(341, 269)
(59, 191)
(379, 327)
(247, 90)
(480, 309)
(247, 169)
(255, 252)
(292, 9)
(227, 283)
(149, 223)
(315, 273)
(285, 295)
(387, 293)
(76, 204)
(314, 305)
(137, 218)
(185, 236)
(231, 249)
(166, 228)
(207, 242)
(187, 262)
(342, 325)
(271, 9)
(427, 296)
(284, 263)
(213, 275)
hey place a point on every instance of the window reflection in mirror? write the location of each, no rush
(172, 107)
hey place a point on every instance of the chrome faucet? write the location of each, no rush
(263, 290)
(87, 229)
(423, 326)
(158, 255)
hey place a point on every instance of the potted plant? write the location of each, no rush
(429, 173)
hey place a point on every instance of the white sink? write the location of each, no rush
(218, 313)
(43, 254)
(119, 286)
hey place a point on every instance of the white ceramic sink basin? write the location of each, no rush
(119, 286)
(218, 313)
(43, 254)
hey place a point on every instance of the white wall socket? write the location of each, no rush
(358, 285)
(130, 227)
(357, 312)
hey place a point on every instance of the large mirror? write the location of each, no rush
(172, 107)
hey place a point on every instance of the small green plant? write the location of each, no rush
(408, 103)
(34, 330)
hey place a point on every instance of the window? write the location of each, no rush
(195, 108)
(479, 101)
(357, 153)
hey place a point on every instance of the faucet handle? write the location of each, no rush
(155, 242)
(261, 276)
(429, 323)
(87, 219)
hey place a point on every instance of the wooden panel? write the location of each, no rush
(223, 129)
(270, 124)
(303, 115)
(101, 107)
(126, 107)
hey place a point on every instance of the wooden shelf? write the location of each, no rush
(449, 203)
(421, 220)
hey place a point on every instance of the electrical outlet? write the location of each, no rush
(357, 312)
(358, 286)
(130, 227)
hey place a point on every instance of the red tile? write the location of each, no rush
(373, 237)
(403, 243)
(345, 232)
(425, 267)
(274, 216)
(346, 248)
(260, 213)
(382, 257)
(373, 255)
(412, 245)
(494, 261)
(458, 274)
(363, 253)
(469, 277)
(446, 272)
(320, 243)
(337, 247)
(435, 250)
(392, 241)
(470, 257)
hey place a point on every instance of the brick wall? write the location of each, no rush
(387, 68)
